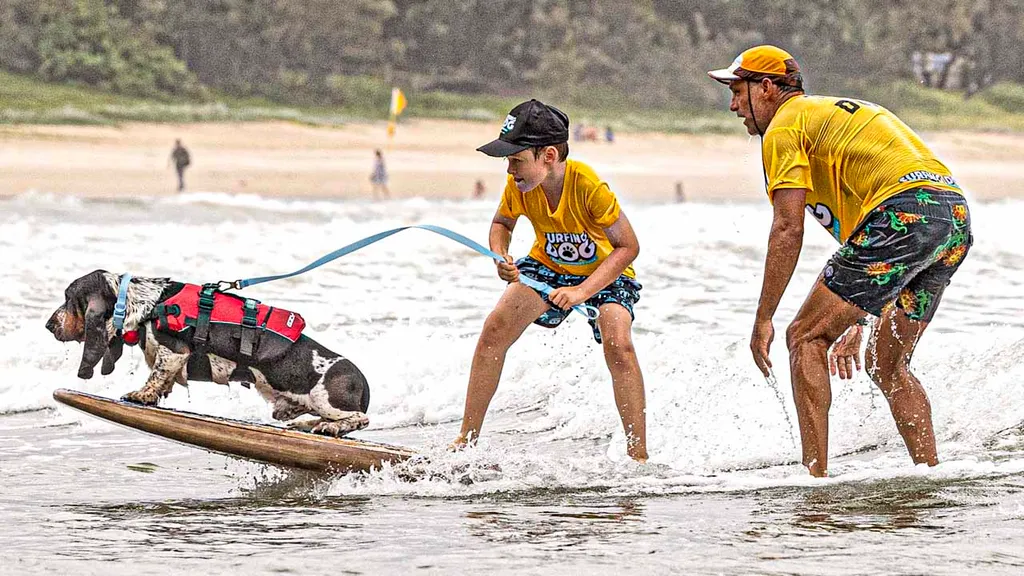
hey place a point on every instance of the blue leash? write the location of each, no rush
(121, 306)
(589, 311)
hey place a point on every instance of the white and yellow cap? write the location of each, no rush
(759, 62)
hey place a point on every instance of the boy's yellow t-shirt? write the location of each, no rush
(852, 156)
(570, 239)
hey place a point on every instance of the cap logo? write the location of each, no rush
(510, 123)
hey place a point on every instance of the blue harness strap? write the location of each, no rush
(589, 311)
(121, 306)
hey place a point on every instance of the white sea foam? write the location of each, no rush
(407, 312)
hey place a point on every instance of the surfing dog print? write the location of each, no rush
(296, 378)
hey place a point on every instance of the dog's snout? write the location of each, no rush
(56, 324)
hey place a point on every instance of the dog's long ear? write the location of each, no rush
(96, 337)
(111, 356)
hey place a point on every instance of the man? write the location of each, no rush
(181, 160)
(584, 248)
(903, 224)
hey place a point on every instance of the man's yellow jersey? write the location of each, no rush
(569, 239)
(850, 154)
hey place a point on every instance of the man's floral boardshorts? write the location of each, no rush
(905, 252)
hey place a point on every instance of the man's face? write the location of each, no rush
(527, 170)
(746, 94)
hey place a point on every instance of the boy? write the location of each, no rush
(584, 248)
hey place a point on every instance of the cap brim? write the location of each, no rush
(723, 75)
(500, 148)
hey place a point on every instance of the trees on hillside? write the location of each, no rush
(645, 52)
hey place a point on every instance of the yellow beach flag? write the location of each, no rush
(398, 103)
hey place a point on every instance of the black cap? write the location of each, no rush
(529, 124)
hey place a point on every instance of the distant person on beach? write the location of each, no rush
(903, 224)
(379, 176)
(583, 249)
(680, 195)
(479, 190)
(181, 159)
(609, 135)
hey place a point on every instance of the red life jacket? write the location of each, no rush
(182, 310)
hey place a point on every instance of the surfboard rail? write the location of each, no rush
(259, 442)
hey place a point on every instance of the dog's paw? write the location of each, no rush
(302, 425)
(284, 410)
(85, 372)
(338, 428)
(146, 397)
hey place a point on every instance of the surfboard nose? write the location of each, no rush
(260, 442)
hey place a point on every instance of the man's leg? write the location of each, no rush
(181, 179)
(518, 307)
(627, 380)
(822, 319)
(888, 364)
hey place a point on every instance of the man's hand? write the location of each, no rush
(507, 270)
(567, 297)
(761, 343)
(845, 354)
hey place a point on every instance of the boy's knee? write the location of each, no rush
(618, 351)
(497, 331)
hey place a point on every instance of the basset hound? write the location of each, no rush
(296, 378)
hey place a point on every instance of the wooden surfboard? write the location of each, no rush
(260, 442)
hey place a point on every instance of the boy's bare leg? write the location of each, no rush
(518, 307)
(627, 380)
(888, 364)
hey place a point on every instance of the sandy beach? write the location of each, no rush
(428, 158)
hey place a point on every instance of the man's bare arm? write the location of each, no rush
(784, 244)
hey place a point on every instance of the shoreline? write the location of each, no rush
(426, 158)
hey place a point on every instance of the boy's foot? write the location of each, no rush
(459, 443)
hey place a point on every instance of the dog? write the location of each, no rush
(297, 378)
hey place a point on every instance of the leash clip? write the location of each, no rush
(223, 285)
(589, 311)
(121, 304)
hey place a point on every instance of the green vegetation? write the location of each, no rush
(631, 65)
(997, 108)
(30, 101)
(591, 55)
(26, 100)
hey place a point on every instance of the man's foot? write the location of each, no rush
(816, 469)
(640, 455)
(636, 448)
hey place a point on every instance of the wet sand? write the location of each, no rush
(427, 158)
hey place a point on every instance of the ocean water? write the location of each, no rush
(548, 490)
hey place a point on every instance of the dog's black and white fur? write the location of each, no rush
(306, 379)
